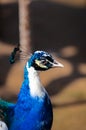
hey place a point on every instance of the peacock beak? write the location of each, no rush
(57, 64)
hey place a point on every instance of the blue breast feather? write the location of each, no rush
(31, 113)
(28, 113)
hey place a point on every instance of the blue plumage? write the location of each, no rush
(33, 109)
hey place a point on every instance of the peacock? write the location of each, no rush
(33, 108)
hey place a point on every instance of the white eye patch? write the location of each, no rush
(40, 64)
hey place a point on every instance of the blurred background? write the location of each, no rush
(59, 27)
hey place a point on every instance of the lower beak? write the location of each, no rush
(57, 64)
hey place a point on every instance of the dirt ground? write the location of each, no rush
(66, 86)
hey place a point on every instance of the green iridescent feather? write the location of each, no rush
(5, 108)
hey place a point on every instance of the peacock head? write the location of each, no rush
(41, 60)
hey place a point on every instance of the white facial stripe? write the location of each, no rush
(46, 55)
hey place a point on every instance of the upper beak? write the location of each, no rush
(57, 64)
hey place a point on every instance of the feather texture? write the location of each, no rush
(33, 109)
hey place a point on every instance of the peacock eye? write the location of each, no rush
(44, 62)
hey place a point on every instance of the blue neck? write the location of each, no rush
(27, 92)
(24, 94)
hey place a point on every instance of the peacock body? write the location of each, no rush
(33, 109)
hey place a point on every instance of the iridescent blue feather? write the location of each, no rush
(33, 109)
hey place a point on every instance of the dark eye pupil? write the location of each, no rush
(44, 61)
